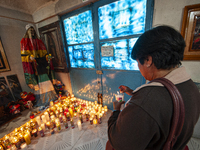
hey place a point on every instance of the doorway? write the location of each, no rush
(98, 43)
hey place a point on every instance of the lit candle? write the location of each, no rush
(16, 142)
(43, 127)
(57, 113)
(58, 126)
(95, 122)
(6, 139)
(72, 123)
(13, 147)
(91, 120)
(87, 116)
(65, 124)
(38, 120)
(27, 138)
(33, 126)
(24, 146)
(79, 125)
(52, 130)
(48, 124)
(34, 132)
(51, 103)
(22, 129)
(71, 112)
(16, 130)
(41, 131)
(44, 120)
(28, 131)
(61, 118)
(21, 138)
(68, 116)
(52, 117)
(1, 147)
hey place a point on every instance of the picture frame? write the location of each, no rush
(51, 36)
(191, 32)
(4, 65)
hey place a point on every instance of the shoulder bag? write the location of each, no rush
(177, 118)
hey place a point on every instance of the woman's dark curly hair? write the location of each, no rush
(164, 44)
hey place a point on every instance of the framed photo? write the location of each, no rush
(51, 36)
(14, 86)
(191, 32)
(4, 66)
(5, 93)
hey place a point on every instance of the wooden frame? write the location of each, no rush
(51, 36)
(4, 66)
(191, 32)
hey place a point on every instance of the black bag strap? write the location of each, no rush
(178, 112)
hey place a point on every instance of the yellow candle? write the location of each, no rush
(51, 103)
(27, 139)
(16, 130)
(95, 122)
(71, 112)
(28, 132)
(48, 124)
(43, 127)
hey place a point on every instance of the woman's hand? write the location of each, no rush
(125, 89)
(117, 105)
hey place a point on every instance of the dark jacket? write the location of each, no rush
(145, 122)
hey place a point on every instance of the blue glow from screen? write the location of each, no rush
(81, 56)
(121, 58)
(78, 29)
(122, 18)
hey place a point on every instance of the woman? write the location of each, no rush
(145, 121)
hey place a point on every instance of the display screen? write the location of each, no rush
(78, 29)
(81, 56)
(122, 18)
(121, 58)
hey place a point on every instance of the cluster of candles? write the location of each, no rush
(61, 112)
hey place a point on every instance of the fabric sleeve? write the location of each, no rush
(131, 128)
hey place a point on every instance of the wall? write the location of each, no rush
(12, 29)
(170, 12)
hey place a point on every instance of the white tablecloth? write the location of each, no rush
(89, 138)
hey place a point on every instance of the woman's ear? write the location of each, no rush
(148, 61)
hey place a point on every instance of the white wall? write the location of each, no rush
(170, 12)
(12, 30)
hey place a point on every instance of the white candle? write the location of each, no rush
(44, 119)
(47, 116)
(24, 146)
(43, 127)
(79, 125)
(38, 120)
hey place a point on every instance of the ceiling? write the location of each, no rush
(27, 6)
